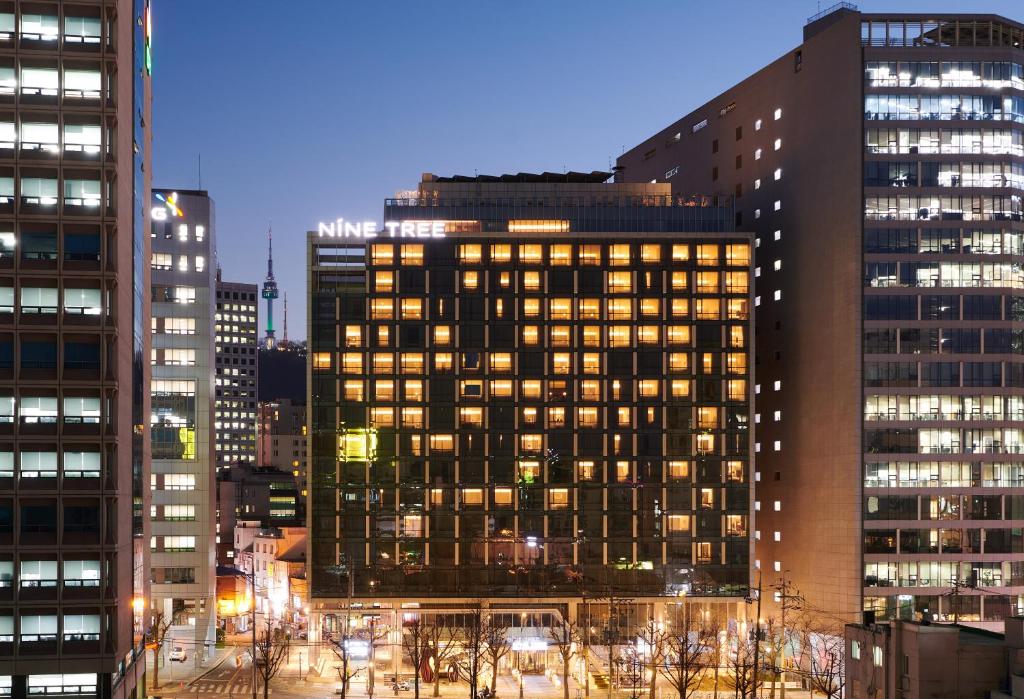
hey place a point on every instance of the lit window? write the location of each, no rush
(412, 363)
(471, 417)
(382, 417)
(619, 336)
(470, 253)
(648, 335)
(591, 336)
(757, 183)
(680, 308)
(383, 335)
(531, 335)
(531, 253)
(679, 281)
(738, 309)
(590, 390)
(353, 336)
(586, 416)
(354, 390)
(876, 656)
(501, 388)
(708, 309)
(442, 335)
(443, 362)
(778, 144)
(777, 385)
(707, 418)
(778, 235)
(470, 280)
(442, 443)
(736, 389)
(679, 523)
(778, 173)
(679, 388)
(558, 498)
(778, 113)
(736, 283)
(777, 295)
(585, 470)
(625, 416)
(679, 334)
(531, 388)
(501, 253)
(531, 442)
(561, 363)
(707, 255)
(622, 471)
(529, 416)
(590, 254)
(648, 388)
(591, 363)
(620, 309)
(778, 205)
(503, 497)
(650, 253)
(561, 336)
(531, 281)
(531, 308)
(561, 254)
(589, 309)
(707, 283)
(382, 254)
(560, 309)
(384, 390)
(321, 360)
(412, 309)
(529, 471)
(501, 362)
(678, 470)
(618, 255)
(412, 418)
(383, 363)
(650, 307)
(757, 125)
(472, 496)
(413, 390)
(678, 362)
(412, 255)
(680, 253)
(382, 309)
(556, 417)
(352, 363)
(620, 282)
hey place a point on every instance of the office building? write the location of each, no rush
(183, 519)
(879, 166)
(262, 494)
(544, 397)
(74, 201)
(282, 438)
(235, 403)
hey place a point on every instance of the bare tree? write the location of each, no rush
(826, 667)
(654, 635)
(271, 650)
(156, 635)
(474, 649)
(773, 652)
(442, 642)
(377, 632)
(344, 652)
(564, 635)
(414, 641)
(496, 646)
(742, 669)
(689, 653)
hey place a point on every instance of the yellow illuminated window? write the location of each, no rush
(736, 389)
(735, 525)
(591, 336)
(586, 470)
(556, 417)
(505, 280)
(679, 281)
(705, 444)
(625, 416)
(736, 282)
(382, 309)
(531, 388)
(352, 363)
(618, 255)
(704, 551)
(738, 309)
(414, 390)
(531, 253)
(737, 255)
(620, 309)
(499, 308)
(470, 253)
(679, 334)
(620, 282)
(589, 309)
(531, 308)
(736, 336)
(561, 363)
(529, 471)
(558, 498)
(648, 388)
(560, 309)
(678, 362)
(384, 390)
(678, 470)
(412, 417)
(591, 363)
(590, 389)
(471, 417)
(529, 415)
(707, 255)
(502, 497)
(650, 308)
(412, 363)
(412, 309)
(648, 334)
(590, 254)
(384, 281)
(531, 335)
(561, 254)
(531, 281)
(734, 471)
(680, 308)
(707, 363)
(436, 496)
(586, 416)
(679, 523)
(619, 336)
(353, 336)
(616, 390)
(383, 335)
(321, 360)
(501, 362)
(381, 254)
(531, 442)
(709, 309)
(472, 496)
(382, 417)
(650, 253)
(501, 252)
(442, 335)
(443, 362)
(470, 280)
(622, 471)
(680, 253)
(501, 388)
(736, 363)
(354, 390)
(680, 388)
(707, 282)
(561, 335)
(442, 443)
(707, 418)
(412, 255)
(538, 226)
(471, 389)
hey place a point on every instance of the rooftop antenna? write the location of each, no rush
(284, 340)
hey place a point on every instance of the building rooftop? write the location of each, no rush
(572, 177)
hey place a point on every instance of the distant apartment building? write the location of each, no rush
(282, 438)
(182, 513)
(236, 373)
(880, 165)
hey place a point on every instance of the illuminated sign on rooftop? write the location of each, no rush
(392, 229)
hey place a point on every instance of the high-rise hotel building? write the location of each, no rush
(880, 165)
(235, 382)
(74, 201)
(538, 391)
(183, 546)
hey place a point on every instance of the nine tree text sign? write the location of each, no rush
(392, 229)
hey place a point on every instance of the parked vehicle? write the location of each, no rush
(178, 654)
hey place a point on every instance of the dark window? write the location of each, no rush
(714, 174)
(714, 146)
(739, 161)
(82, 518)
(39, 246)
(38, 354)
(38, 519)
(81, 355)
(739, 132)
(82, 247)
(982, 308)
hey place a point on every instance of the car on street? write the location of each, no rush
(403, 686)
(178, 654)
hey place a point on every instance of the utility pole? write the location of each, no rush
(757, 640)
(252, 581)
(789, 601)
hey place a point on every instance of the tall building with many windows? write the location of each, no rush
(235, 384)
(538, 391)
(74, 201)
(183, 511)
(879, 164)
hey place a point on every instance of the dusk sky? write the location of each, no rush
(314, 109)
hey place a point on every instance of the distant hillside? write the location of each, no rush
(282, 374)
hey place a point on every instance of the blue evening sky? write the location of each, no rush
(307, 110)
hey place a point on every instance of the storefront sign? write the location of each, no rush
(392, 229)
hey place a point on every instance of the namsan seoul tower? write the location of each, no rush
(270, 292)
